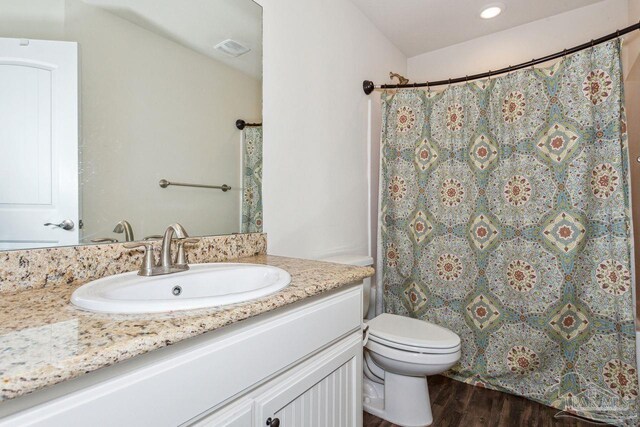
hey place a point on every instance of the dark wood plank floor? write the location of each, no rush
(458, 404)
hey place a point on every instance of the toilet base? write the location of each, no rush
(407, 404)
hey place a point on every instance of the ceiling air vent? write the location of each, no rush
(232, 47)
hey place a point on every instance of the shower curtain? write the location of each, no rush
(252, 180)
(505, 218)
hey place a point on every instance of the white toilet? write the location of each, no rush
(399, 354)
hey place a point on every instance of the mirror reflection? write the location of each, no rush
(118, 117)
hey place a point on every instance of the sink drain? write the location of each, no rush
(177, 290)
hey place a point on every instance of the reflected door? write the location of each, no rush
(38, 143)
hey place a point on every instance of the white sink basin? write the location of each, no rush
(202, 286)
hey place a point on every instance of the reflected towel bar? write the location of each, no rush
(164, 184)
(241, 124)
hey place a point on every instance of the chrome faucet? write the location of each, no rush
(165, 265)
(124, 226)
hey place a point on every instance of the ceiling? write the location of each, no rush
(200, 26)
(419, 26)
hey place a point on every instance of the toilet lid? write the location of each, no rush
(412, 332)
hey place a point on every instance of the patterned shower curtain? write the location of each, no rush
(505, 218)
(252, 180)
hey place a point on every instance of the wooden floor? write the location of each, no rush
(458, 404)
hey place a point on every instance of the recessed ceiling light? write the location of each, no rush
(491, 10)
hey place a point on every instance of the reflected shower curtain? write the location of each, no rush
(252, 180)
(505, 218)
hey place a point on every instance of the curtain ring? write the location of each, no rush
(428, 87)
(618, 33)
(533, 64)
(449, 81)
(591, 42)
(489, 75)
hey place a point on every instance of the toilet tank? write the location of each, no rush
(361, 261)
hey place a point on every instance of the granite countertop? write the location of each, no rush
(45, 340)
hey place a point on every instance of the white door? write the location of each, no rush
(38, 143)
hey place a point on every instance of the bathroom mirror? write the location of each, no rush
(118, 117)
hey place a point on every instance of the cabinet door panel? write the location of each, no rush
(324, 392)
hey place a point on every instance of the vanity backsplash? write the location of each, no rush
(40, 268)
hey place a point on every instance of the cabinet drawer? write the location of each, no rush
(239, 414)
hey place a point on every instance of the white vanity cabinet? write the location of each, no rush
(239, 414)
(300, 366)
(323, 391)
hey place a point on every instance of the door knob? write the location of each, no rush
(67, 224)
(273, 422)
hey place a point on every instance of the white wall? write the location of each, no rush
(632, 43)
(520, 44)
(316, 55)
(37, 19)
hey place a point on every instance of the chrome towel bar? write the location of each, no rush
(164, 184)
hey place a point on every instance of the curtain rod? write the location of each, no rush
(368, 86)
(241, 124)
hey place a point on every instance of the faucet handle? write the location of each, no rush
(134, 245)
(181, 258)
(104, 240)
(148, 261)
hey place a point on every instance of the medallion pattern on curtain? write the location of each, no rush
(252, 180)
(505, 218)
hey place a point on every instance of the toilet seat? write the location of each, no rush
(417, 358)
(413, 349)
(412, 335)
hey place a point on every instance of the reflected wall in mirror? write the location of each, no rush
(100, 100)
